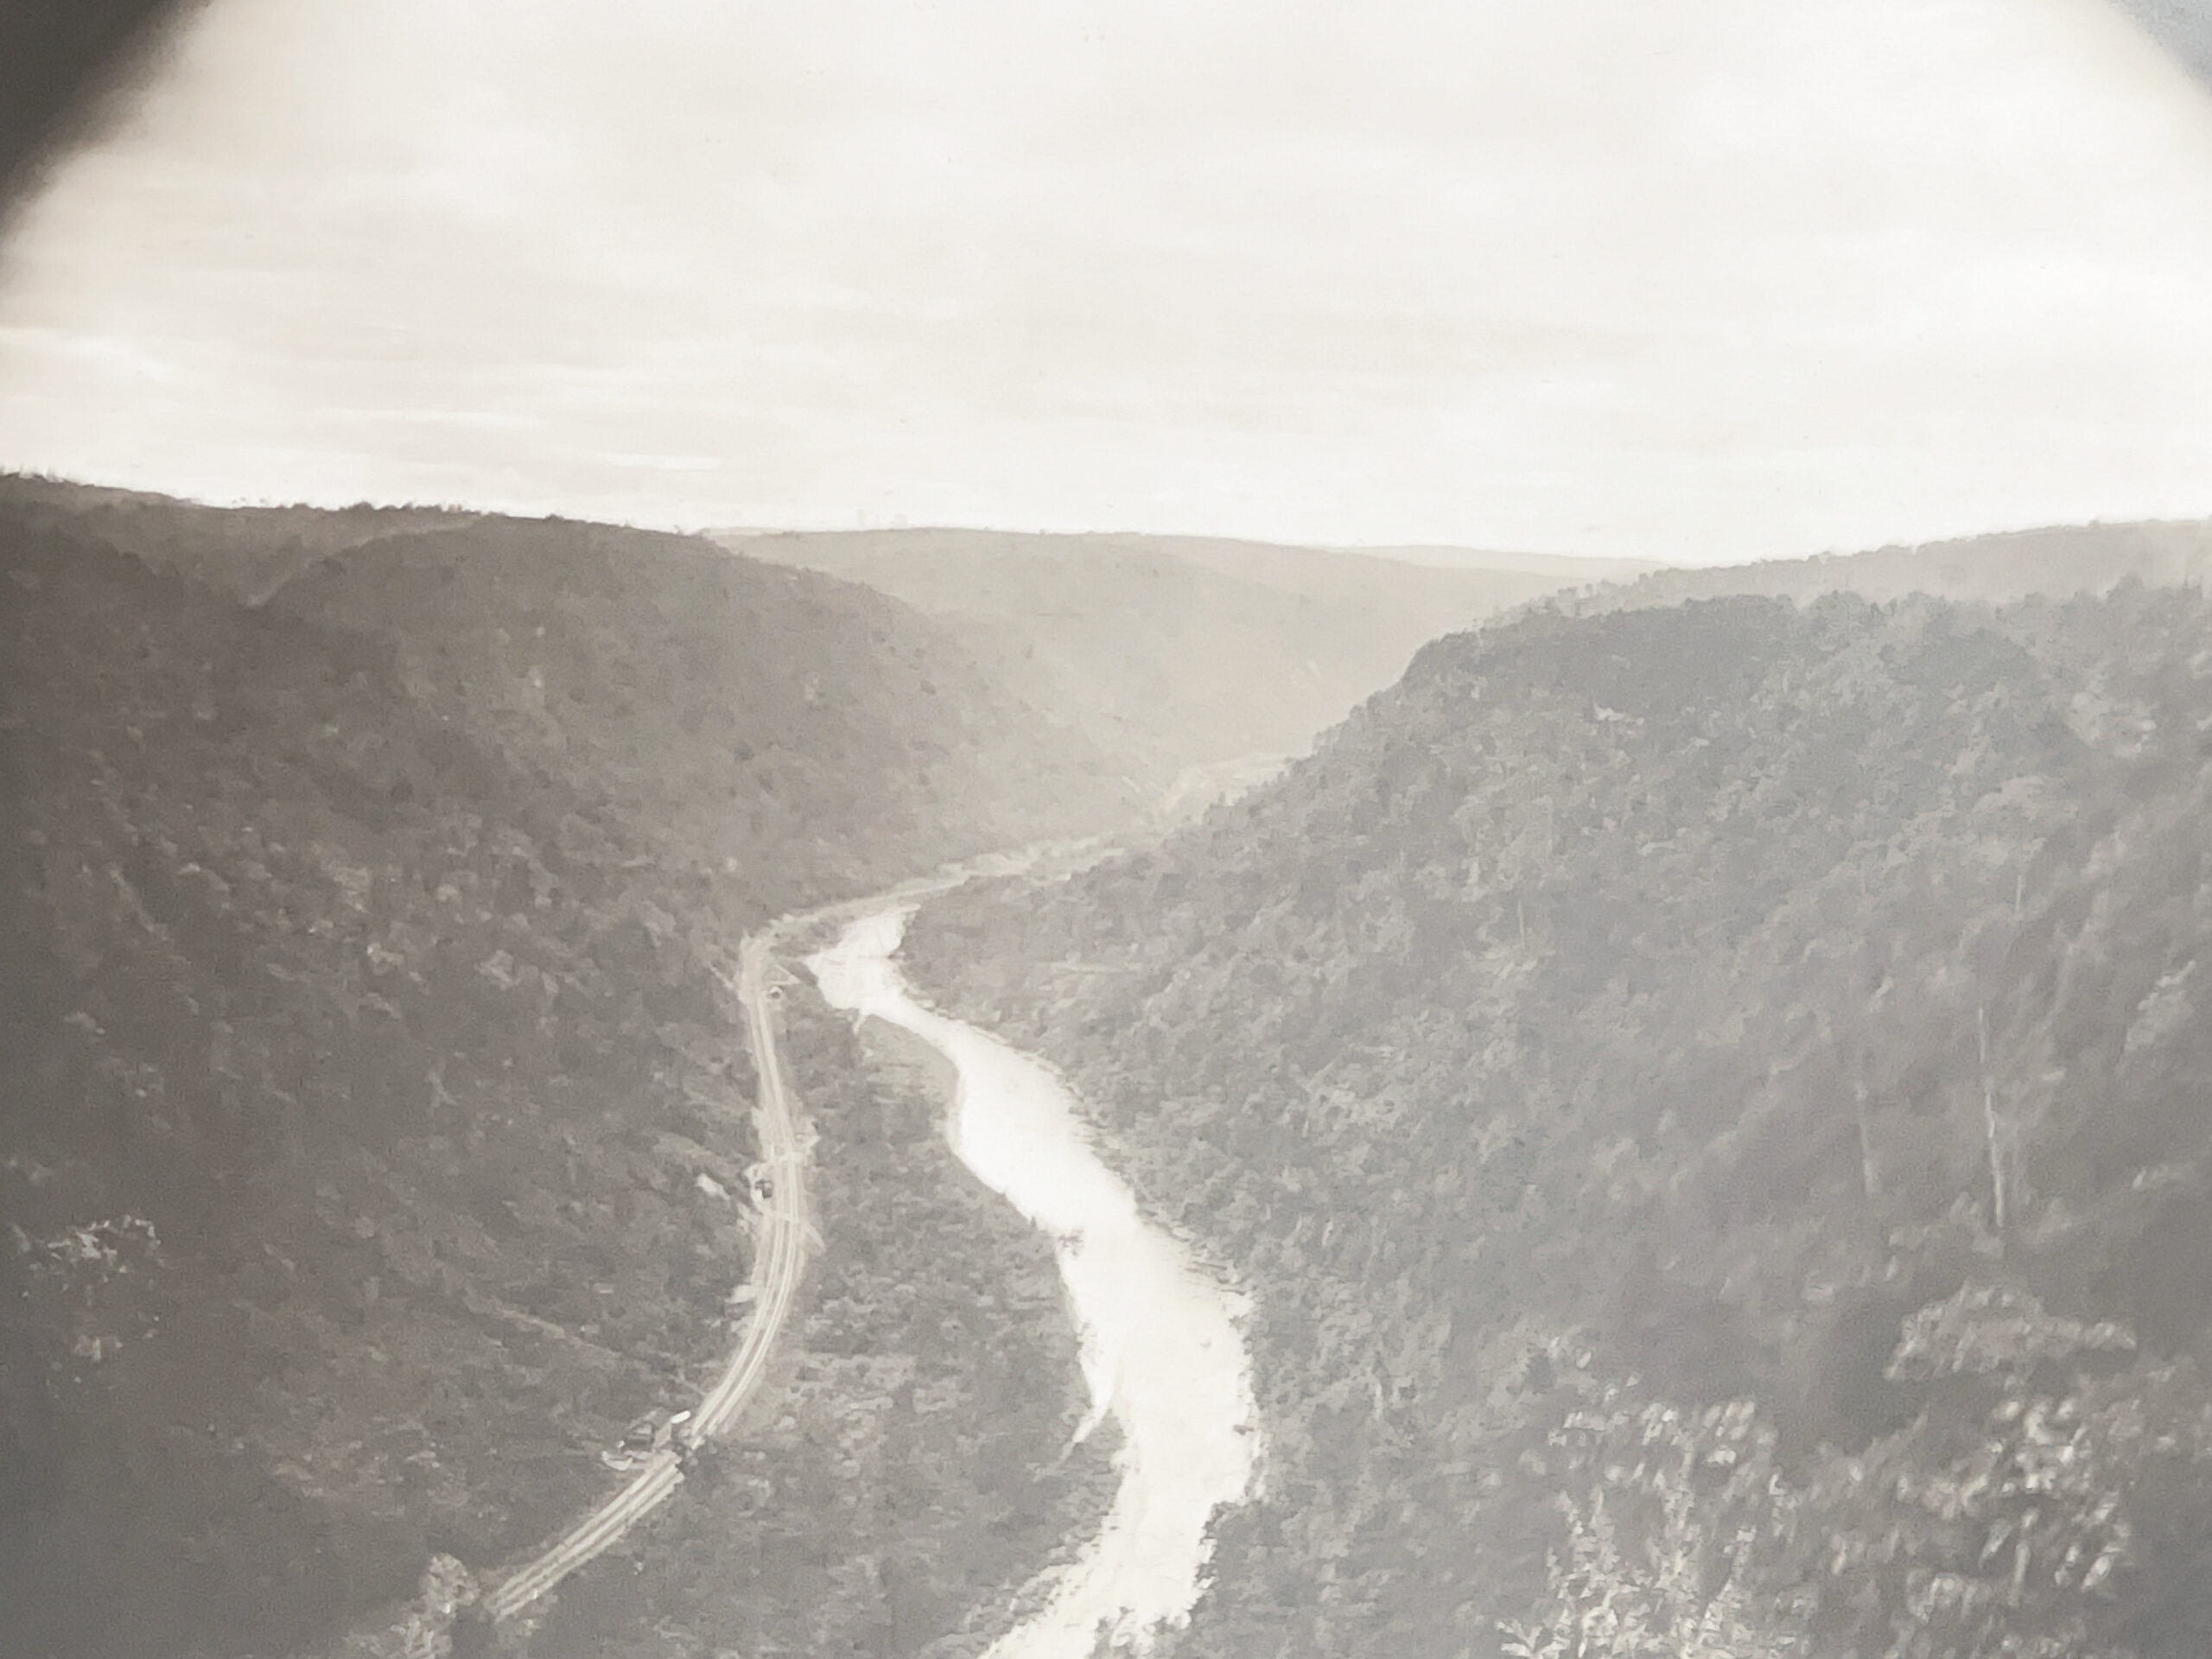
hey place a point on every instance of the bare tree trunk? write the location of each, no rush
(1989, 1127)
(1869, 1184)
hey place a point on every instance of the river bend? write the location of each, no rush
(1162, 1355)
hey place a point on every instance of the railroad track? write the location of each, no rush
(776, 1270)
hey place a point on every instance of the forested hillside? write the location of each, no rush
(371, 1103)
(2051, 563)
(247, 552)
(1710, 1103)
(1178, 653)
(768, 723)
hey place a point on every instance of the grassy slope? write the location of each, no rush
(1581, 1058)
(359, 1033)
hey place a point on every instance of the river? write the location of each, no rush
(1162, 1355)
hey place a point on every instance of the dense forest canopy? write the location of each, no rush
(1706, 1099)
(1710, 1103)
(362, 1045)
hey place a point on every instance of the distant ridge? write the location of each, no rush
(1180, 653)
(1565, 566)
(2056, 562)
(247, 552)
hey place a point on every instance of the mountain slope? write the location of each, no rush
(1708, 1103)
(368, 1081)
(1177, 652)
(2054, 563)
(247, 552)
(740, 713)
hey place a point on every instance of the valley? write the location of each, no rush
(1706, 1103)
(1673, 1109)
(1174, 657)
(370, 1062)
(1171, 832)
(1161, 1352)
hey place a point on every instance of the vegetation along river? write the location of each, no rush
(1161, 1352)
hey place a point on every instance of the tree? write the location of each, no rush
(1998, 1523)
(1659, 1557)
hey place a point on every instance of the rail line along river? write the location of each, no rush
(1161, 1352)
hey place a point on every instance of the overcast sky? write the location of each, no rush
(1696, 279)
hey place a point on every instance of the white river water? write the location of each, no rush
(1161, 1352)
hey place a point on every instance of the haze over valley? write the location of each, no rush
(382, 1139)
(1120, 831)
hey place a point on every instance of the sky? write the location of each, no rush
(1698, 280)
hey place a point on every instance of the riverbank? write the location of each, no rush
(904, 1475)
(1162, 1357)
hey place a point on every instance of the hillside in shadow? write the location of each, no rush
(370, 1081)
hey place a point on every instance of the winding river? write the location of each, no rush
(1161, 1352)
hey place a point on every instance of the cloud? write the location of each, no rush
(1708, 278)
